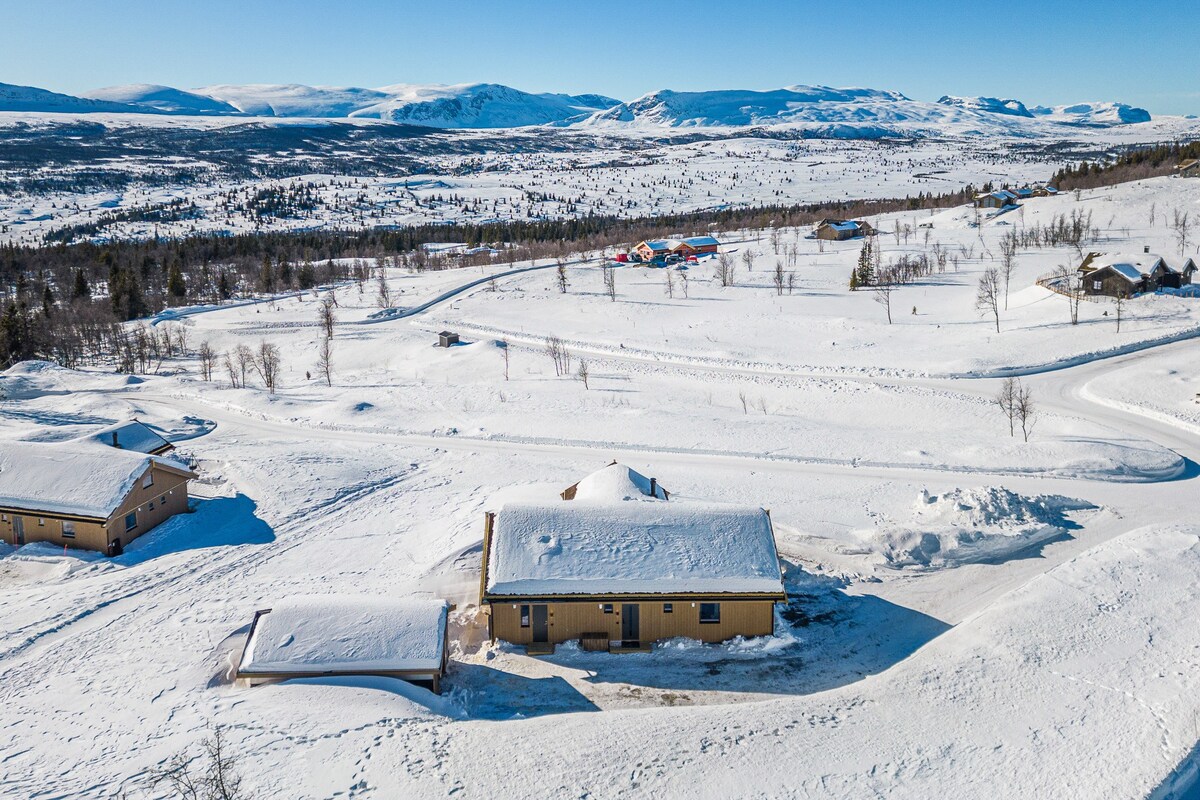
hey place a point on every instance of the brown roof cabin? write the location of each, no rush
(839, 230)
(997, 199)
(82, 495)
(696, 246)
(1116, 274)
(321, 636)
(1188, 168)
(622, 575)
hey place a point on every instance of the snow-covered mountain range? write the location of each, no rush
(848, 112)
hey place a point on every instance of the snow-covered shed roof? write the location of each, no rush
(347, 634)
(583, 548)
(615, 482)
(132, 435)
(73, 478)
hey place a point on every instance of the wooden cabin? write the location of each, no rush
(82, 495)
(1113, 274)
(341, 635)
(1188, 168)
(134, 436)
(622, 575)
(695, 246)
(997, 199)
(838, 230)
(653, 248)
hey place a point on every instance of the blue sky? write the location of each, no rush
(1053, 51)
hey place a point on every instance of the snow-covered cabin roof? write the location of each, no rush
(133, 435)
(701, 241)
(614, 483)
(582, 548)
(657, 244)
(347, 634)
(73, 478)
(1133, 267)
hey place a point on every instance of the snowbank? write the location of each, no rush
(972, 525)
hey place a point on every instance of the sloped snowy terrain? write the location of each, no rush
(1049, 650)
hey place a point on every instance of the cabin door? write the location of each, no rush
(18, 530)
(631, 622)
(541, 624)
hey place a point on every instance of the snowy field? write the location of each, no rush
(971, 615)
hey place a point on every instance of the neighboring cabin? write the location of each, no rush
(839, 230)
(1113, 274)
(1188, 168)
(135, 436)
(653, 248)
(997, 199)
(339, 635)
(685, 248)
(85, 496)
(623, 573)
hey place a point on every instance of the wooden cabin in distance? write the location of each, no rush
(695, 246)
(653, 248)
(1126, 275)
(840, 230)
(997, 199)
(621, 575)
(83, 495)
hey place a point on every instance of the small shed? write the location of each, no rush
(447, 339)
(135, 436)
(338, 635)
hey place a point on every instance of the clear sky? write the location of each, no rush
(1050, 51)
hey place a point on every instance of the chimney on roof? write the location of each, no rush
(116, 444)
(1145, 248)
(654, 487)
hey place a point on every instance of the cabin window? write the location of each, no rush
(41, 522)
(607, 608)
(163, 500)
(131, 521)
(148, 481)
(68, 530)
(524, 616)
(668, 608)
(151, 505)
(1097, 285)
(710, 613)
(3, 517)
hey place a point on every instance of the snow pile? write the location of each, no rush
(27, 380)
(346, 633)
(966, 526)
(654, 548)
(616, 482)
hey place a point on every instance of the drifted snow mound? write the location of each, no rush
(616, 482)
(27, 380)
(971, 525)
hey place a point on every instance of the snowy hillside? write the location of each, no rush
(293, 99)
(480, 105)
(1093, 114)
(853, 113)
(163, 98)
(29, 98)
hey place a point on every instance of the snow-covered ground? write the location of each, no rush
(1046, 647)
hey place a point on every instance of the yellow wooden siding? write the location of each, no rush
(570, 620)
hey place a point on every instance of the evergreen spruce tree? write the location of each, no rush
(866, 269)
(83, 290)
(854, 280)
(175, 285)
(47, 301)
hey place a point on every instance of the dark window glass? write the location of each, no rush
(131, 521)
(524, 616)
(710, 612)
(668, 608)
(608, 608)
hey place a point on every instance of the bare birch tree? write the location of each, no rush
(207, 360)
(1007, 400)
(267, 362)
(987, 297)
(883, 296)
(325, 360)
(725, 269)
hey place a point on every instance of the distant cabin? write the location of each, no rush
(695, 246)
(82, 495)
(615, 482)
(1188, 168)
(842, 229)
(622, 575)
(135, 436)
(344, 635)
(1117, 274)
(653, 248)
(997, 199)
